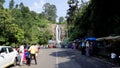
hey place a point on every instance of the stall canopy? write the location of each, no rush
(109, 38)
(91, 39)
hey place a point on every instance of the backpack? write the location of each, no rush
(27, 54)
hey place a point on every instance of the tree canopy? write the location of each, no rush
(50, 11)
(18, 24)
(93, 19)
(61, 19)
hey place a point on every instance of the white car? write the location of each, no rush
(7, 56)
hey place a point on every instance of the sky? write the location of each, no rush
(36, 5)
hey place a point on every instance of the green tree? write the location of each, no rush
(22, 25)
(11, 4)
(71, 17)
(92, 18)
(61, 19)
(2, 1)
(1, 4)
(15, 34)
(9, 32)
(5, 19)
(50, 11)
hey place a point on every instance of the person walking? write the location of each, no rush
(21, 50)
(33, 52)
(73, 45)
(87, 49)
(83, 48)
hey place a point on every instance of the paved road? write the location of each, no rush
(65, 58)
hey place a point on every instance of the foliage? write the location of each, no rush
(9, 32)
(71, 16)
(11, 4)
(44, 36)
(50, 11)
(61, 19)
(18, 24)
(93, 18)
(2, 1)
(1, 4)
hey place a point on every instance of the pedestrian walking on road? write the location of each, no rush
(73, 45)
(21, 50)
(83, 48)
(87, 49)
(33, 52)
(19, 58)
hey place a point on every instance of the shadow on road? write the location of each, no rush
(76, 60)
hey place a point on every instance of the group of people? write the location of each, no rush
(87, 47)
(27, 53)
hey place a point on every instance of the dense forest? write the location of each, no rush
(20, 25)
(95, 18)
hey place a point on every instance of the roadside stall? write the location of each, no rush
(109, 47)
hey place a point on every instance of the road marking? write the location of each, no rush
(57, 59)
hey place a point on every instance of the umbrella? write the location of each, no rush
(91, 39)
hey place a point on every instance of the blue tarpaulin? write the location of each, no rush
(91, 39)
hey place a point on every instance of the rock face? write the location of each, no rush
(52, 28)
(63, 29)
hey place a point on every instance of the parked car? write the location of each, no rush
(8, 56)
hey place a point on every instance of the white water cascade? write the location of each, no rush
(58, 35)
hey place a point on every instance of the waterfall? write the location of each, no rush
(58, 34)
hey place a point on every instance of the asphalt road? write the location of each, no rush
(65, 58)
